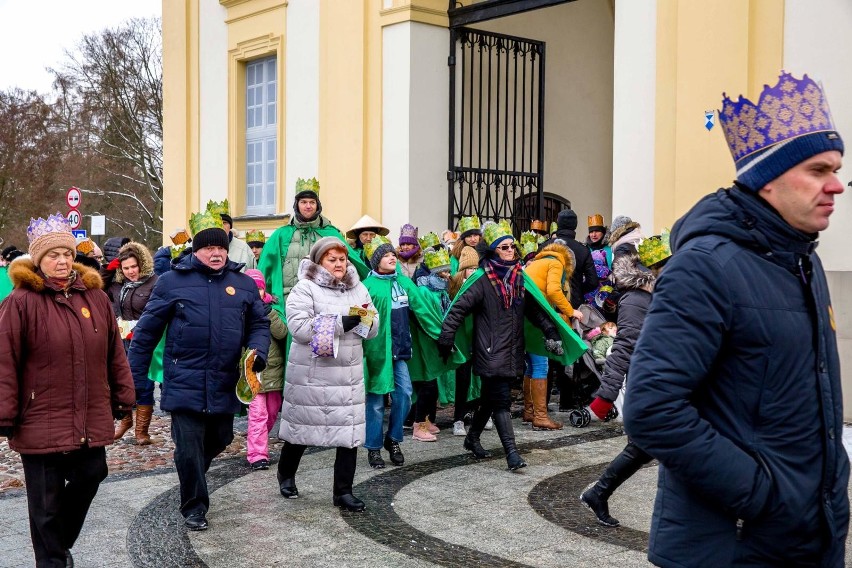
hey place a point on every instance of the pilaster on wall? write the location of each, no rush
(180, 112)
(704, 49)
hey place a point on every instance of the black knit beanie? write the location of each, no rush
(567, 220)
(212, 237)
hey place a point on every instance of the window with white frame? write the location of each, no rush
(261, 138)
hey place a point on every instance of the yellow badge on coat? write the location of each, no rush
(86, 313)
(230, 290)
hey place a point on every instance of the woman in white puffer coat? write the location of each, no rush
(324, 388)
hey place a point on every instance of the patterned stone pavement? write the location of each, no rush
(441, 509)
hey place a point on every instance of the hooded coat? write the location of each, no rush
(742, 404)
(112, 245)
(551, 270)
(635, 284)
(64, 371)
(324, 396)
(211, 316)
(132, 305)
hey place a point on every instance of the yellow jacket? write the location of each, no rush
(551, 269)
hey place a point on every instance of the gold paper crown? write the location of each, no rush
(85, 246)
(219, 207)
(429, 240)
(655, 249)
(255, 236)
(370, 248)
(596, 220)
(495, 231)
(469, 224)
(308, 185)
(537, 225)
(437, 260)
(204, 220)
(179, 237)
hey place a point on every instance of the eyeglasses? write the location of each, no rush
(507, 247)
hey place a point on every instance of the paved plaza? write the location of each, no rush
(441, 509)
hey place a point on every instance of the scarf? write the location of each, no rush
(409, 254)
(128, 286)
(507, 280)
(61, 284)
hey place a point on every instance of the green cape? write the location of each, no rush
(425, 325)
(275, 251)
(533, 337)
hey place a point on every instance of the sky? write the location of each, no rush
(34, 34)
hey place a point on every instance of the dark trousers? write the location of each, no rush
(344, 466)
(60, 488)
(198, 439)
(462, 388)
(427, 400)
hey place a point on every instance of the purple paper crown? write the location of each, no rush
(408, 235)
(53, 224)
(790, 109)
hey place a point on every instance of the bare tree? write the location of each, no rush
(109, 112)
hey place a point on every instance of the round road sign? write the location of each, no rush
(74, 218)
(73, 198)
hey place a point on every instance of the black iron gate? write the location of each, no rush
(496, 165)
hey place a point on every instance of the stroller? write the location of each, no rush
(585, 376)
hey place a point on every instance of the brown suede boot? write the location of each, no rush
(124, 425)
(528, 402)
(143, 421)
(541, 421)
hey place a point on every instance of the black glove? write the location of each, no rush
(554, 346)
(258, 365)
(7, 431)
(445, 350)
(120, 413)
(349, 322)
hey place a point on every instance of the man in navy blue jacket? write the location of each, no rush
(735, 382)
(212, 311)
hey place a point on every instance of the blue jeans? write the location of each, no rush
(536, 366)
(400, 405)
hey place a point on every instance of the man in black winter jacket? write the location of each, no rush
(585, 277)
(735, 381)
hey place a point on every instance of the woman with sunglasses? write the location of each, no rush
(496, 298)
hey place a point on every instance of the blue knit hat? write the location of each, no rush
(790, 123)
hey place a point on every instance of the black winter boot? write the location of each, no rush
(596, 495)
(477, 423)
(503, 422)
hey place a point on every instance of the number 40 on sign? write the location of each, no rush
(74, 218)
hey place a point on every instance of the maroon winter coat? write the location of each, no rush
(64, 370)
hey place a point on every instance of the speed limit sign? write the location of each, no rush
(74, 218)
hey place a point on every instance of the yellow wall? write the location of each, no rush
(704, 48)
(180, 113)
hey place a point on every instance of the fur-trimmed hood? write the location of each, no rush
(615, 235)
(629, 274)
(23, 274)
(322, 277)
(142, 254)
(561, 252)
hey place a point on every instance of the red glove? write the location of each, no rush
(114, 264)
(600, 407)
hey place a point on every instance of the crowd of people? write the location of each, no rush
(344, 340)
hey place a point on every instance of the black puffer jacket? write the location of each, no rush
(498, 333)
(112, 245)
(636, 284)
(584, 279)
(735, 389)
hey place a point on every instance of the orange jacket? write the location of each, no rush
(551, 269)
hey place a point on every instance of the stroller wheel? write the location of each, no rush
(611, 415)
(579, 417)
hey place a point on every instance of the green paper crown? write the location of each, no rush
(205, 220)
(529, 237)
(495, 231)
(437, 260)
(655, 249)
(308, 185)
(371, 247)
(255, 235)
(506, 225)
(429, 240)
(469, 224)
(219, 207)
(175, 250)
(553, 227)
(528, 248)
